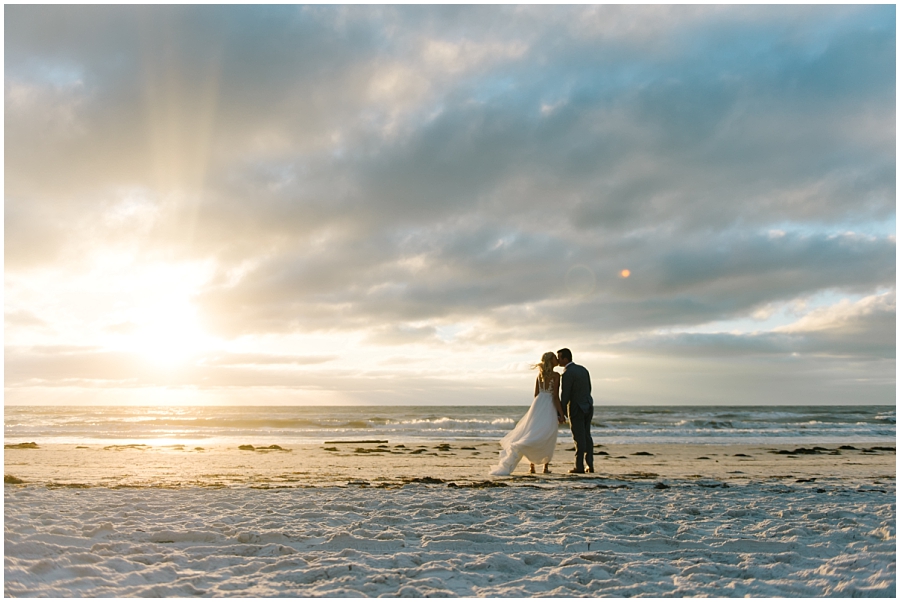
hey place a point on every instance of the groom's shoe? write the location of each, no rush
(576, 470)
(590, 469)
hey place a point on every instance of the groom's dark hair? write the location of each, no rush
(564, 352)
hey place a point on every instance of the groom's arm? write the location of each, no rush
(566, 394)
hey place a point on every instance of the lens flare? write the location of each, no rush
(625, 273)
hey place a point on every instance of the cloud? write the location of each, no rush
(265, 360)
(393, 334)
(23, 318)
(865, 328)
(96, 367)
(847, 317)
(489, 272)
(862, 331)
(426, 177)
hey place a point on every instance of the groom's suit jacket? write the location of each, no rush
(576, 388)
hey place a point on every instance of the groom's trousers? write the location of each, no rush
(580, 422)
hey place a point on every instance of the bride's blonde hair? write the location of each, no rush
(546, 367)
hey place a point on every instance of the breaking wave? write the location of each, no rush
(405, 423)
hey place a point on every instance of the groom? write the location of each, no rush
(578, 404)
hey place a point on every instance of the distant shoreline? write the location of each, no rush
(423, 406)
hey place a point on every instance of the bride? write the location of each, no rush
(534, 437)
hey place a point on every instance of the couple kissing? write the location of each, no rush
(556, 398)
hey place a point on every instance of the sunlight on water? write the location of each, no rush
(161, 426)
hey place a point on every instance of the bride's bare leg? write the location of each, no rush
(532, 469)
(547, 468)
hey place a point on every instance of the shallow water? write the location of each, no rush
(311, 424)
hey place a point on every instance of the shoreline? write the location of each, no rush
(270, 464)
(428, 440)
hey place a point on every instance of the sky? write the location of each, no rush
(314, 205)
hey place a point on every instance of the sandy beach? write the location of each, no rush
(383, 519)
(377, 462)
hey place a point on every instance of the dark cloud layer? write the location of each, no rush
(398, 170)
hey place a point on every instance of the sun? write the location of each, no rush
(167, 334)
(156, 320)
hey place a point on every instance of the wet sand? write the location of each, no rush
(260, 464)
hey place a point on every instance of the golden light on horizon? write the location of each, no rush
(625, 273)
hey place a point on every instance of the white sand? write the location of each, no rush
(757, 524)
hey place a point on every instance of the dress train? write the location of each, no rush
(534, 437)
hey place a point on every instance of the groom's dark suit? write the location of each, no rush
(578, 404)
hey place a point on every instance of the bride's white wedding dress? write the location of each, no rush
(534, 437)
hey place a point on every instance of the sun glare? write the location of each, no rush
(168, 335)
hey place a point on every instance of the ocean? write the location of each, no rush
(400, 424)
